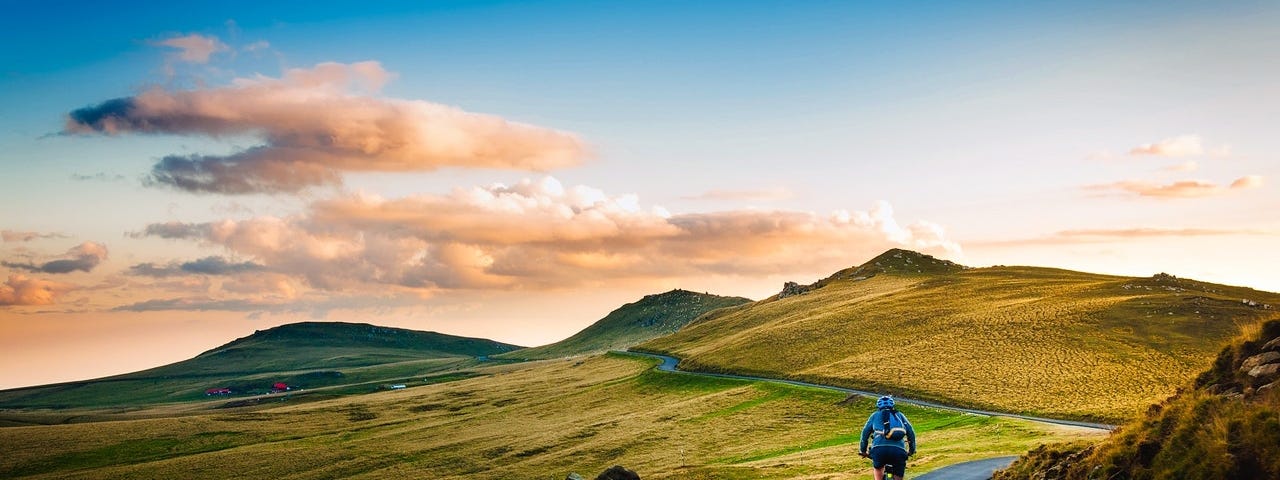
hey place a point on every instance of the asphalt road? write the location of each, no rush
(975, 470)
(669, 365)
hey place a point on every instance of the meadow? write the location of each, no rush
(530, 420)
(1029, 340)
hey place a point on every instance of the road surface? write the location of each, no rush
(975, 470)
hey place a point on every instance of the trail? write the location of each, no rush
(975, 470)
(669, 365)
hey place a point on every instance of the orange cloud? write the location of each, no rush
(317, 123)
(19, 236)
(1180, 146)
(1179, 189)
(540, 234)
(24, 290)
(1101, 235)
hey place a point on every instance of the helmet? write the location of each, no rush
(884, 402)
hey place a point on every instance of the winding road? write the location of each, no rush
(975, 470)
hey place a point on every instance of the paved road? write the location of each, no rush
(975, 470)
(669, 365)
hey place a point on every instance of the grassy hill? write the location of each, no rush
(525, 420)
(308, 355)
(1226, 424)
(1021, 339)
(650, 317)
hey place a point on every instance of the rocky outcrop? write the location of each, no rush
(574, 476)
(791, 289)
(1258, 360)
(618, 472)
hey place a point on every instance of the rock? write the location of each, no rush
(1259, 359)
(791, 289)
(618, 472)
(1274, 344)
(574, 476)
(1266, 388)
(1265, 371)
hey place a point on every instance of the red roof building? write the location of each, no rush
(280, 386)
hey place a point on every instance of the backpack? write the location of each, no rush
(892, 427)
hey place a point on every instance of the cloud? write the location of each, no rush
(83, 257)
(761, 195)
(194, 48)
(1103, 235)
(1179, 189)
(19, 236)
(213, 265)
(1247, 181)
(257, 46)
(540, 234)
(1180, 146)
(99, 177)
(314, 125)
(24, 290)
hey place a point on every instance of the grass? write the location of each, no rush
(1225, 425)
(307, 355)
(650, 317)
(538, 420)
(1020, 339)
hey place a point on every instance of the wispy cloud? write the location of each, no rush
(758, 195)
(23, 290)
(316, 123)
(1181, 146)
(1175, 190)
(1101, 235)
(213, 265)
(98, 177)
(540, 234)
(193, 48)
(20, 236)
(83, 258)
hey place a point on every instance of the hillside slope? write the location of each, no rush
(309, 354)
(650, 317)
(1224, 425)
(1031, 340)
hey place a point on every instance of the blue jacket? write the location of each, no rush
(877, 440)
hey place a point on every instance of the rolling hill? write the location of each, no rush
(1226, 424)
(1031, 340)
(650, 317)
(308, 354)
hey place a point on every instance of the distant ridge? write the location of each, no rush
(314, 353)
(650, 317)
(1032, 340)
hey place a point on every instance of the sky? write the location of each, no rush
(176, 176)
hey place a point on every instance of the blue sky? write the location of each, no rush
(1116, 137)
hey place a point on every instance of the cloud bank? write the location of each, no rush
(21, 236)
(315, 124)
(539, 235)
(205, 266)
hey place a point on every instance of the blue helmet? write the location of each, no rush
(884, 402)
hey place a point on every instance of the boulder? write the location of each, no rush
(1268, 387)
(574, 476)
(618, 472)
(1265, 371)
(1259, 359)
(1274, 344)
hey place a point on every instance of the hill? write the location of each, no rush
(1033, 340)
(1226, 424)
(527, 420)
(650, 317)
(309, 354)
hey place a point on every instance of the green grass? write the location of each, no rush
(650, 317)
(1019, 339)
(535, 420)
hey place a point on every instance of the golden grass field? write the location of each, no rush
(538, 420)
(1019, 339)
